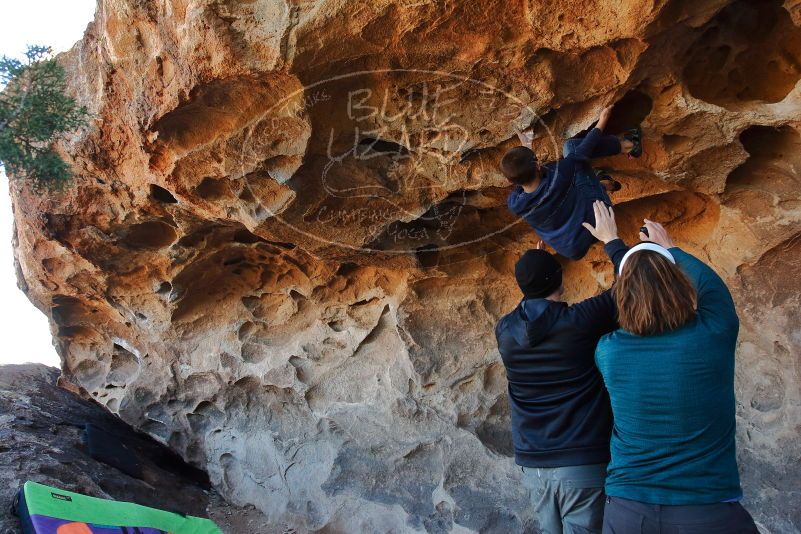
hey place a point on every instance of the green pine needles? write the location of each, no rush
(34, 112)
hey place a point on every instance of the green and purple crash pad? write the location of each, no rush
(46, 510)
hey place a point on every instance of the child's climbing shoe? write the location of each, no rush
(609, 183)
(635, 137)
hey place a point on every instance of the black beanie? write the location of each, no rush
(538, 274)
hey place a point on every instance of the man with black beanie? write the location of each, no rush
(561, 418)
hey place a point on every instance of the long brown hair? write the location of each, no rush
(653, 295)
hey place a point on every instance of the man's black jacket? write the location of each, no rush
(559, 405)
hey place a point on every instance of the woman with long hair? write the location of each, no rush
(669, 370)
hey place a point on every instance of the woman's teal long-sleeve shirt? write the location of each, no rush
(673, 403)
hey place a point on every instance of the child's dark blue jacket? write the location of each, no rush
(563, 201)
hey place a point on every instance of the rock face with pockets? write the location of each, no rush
(287, 243)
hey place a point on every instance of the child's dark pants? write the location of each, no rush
(608, 145)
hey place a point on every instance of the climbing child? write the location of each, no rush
(556, 198)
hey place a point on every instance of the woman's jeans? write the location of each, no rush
(622, 516)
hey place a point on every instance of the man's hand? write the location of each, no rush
(656, 234)
(605, 228)
(603, 118)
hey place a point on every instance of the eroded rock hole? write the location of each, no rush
(236, 260)
(372, 145)
(246, 195)
(773, 163)
(464, 216)
(773, 280)
(769, 393)
(253, 352)
(162, 195)
(427, 256)
(213, 189)
(156, 428)
(76, 332)
(629, 112)
(149, 235)
(383, 323)
(228, 361)
(337, 325)
(164, 288)
(89, 373)
(281, 168)
(124, 366)
(247, 330)
(494, 432)
(192, 240)
(245, 237)
(677, 143)
(476, 153)
(205, 417)
(750, 51)
(212, 110)
(66, 311)
(301, 372)
(347, 268)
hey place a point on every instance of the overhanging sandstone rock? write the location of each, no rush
(287, 244)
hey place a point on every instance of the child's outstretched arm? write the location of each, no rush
(585, 149)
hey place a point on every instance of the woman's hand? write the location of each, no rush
(656, 234)
(605, 228)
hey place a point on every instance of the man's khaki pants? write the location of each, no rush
(567, 500)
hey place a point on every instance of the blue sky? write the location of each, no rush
(59, 24)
